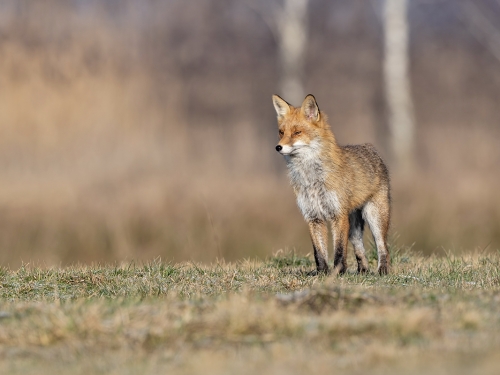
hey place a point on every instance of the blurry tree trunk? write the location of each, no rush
(292, 38)
(481, 27)
(397, 85)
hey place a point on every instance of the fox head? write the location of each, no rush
(299, 129)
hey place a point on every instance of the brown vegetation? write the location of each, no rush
(134, 131)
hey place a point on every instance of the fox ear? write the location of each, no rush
(282, 108)
(310, 108)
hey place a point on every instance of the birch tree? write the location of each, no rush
(480, 26)
(397, 84)
(288, 22)
(292, 24)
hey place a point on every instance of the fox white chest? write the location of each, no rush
(315, 201)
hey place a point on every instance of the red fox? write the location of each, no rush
(344, 185)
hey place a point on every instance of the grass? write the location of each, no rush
(432, 314)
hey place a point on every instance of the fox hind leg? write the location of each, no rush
(356, 227)
(377, 213)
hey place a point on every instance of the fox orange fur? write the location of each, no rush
(344, 185)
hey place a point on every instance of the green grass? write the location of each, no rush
(432, 315)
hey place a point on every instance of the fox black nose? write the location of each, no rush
(279, 148)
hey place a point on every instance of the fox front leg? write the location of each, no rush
(319, 237)
(340, 232)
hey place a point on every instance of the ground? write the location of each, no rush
(436, 315)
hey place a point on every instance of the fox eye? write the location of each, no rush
(297, 132)
(281, 132)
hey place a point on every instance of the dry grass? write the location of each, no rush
(252, 316)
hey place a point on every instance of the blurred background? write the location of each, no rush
(131, 130)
